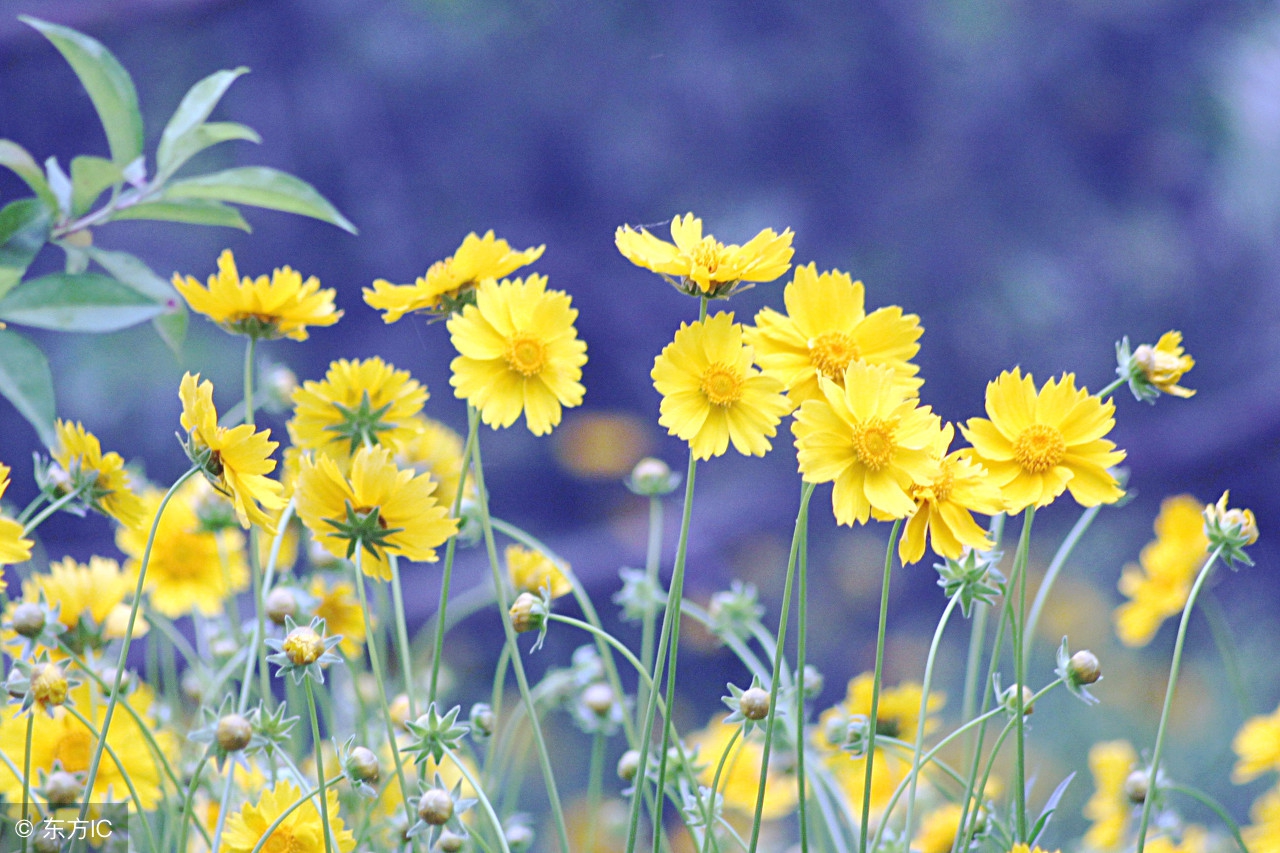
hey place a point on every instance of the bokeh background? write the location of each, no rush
(1033, 180)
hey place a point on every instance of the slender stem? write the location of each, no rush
(595, 777)
(26, 772)
(924, 711)
(1051, 574)
(318, 748)
(652, 561)
(1214, 806)
(715, 785)
(284, 815)
(802, 630)
(402, 635)
(40, 498)
(187, 802)
(1020, 673)
(482, 797)
(262, 582)
(875, 686)
(1115, 383)
(128, 782)
(437, 651)
(62, 501)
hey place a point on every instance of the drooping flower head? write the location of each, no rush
(448, 283)
(945, 503)
(101, 477)
(530, 571)
(1158, 586)
(1155, 370)
(357, 403)
(711, 393)
(1109, 809)
(1257, 746)
(872, 439)
(825, 329)
(264, 308)
(301, 831)
(236, 460)
(518, 352)
(703, 266)
(13, 547)
(1037, 445)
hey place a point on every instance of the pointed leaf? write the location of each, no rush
(89, 177)
(172, 328)
(195, 108)
(83, 302)
(24, 228)
(60, 185)
(205, 136)
(261, 186)
(195, 211)
(108, 84)
(1049, 808)
(15, 158)
(27, 382)
(133, 273)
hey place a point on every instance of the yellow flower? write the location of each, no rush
(1263, 833)
(1159, 585)
(380, 508)
(944, 504)
(358, 403)
(704, 265)
(477, 259)
(302, 831)
(238, 459)
(90, 598)
(1258, 745)
(13, 547)
(530, 571)
(711, 394)
(105, 481)
(872, 438)
(518, 352)
(740, 778)
(1164, 364)
(897, 714)
(938, 831)
(1023, 848)
(1037, 445)
(1194, 840)
(338, 606)
(192, 569)
(280, 307)
(435, 449)
(825, 329)
(1109, 808)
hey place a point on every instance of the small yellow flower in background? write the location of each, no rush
(872, 439)
(340, 609)
(897, 714)
(1159, 585)
(825, 329)
(1194, 840)
(740, 779)
(357, 403)
(13, 547)
(945, 503)
(1023, 848)
(518, 352)
(1109, 809)
(1036, 445)
(1155, 370)
(447, 281)
(90, 598)
(103, 476)
(711, 394)
(938, 830)
(530, 571)
(1258, 746)
(1262, 835)
(279, 307)
(435, 449)
(301, 831)
(236, 460)
(703, 265)
(380, 508)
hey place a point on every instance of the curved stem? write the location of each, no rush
(715, 785)
(62, 501)
(1020, 643)
(133, 791)
(1214, 806)
(450, 549)
(875, 686)
(482, 797)
(802, 629)
(284, 815)
(1051, 573)
(402, 635)
(184, 821)
(924, 711)
(318, 748)
(26, 772)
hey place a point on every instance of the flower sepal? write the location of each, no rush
(1230, 531)
(974, 577)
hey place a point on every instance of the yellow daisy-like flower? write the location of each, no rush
(944, 505)
(236, 460)
(379, 508)
(872, 438)
(1035, 446)
(435, 449)
(1023, 848)
(192, 569)
(740, 778)
(825, 329)
(518, 351)
(938, 830)
(302, 831)
(103, 476)
(1258, 746)
(1109, 809)
(357, 403)
(1163, 365)
(530, 571)
(264, 308)
(90, 598)
(13, 547)
(704, 265)
(340, 609)
(1262, 835)
(711, 394)
(438, 292)
(1158, 586)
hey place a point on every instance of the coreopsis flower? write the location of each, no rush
(740, 778)
(101, 477)
(1230, 530)
(711, 393)
(1036, 445)
(435, 449)
(91, 599)
(192, 568)
(1258, 746)
(1158, 586)
(1110, 808)
(357, 403)
(1019, 847)
(938, 830)
(870, 437)
(1155, 370)
(1262, 835)
(448, 283)
(945, 503)
(825, 329)
(236, 460)
(703, 266)
(379, 508)
(518, 352)
(282, 306)
(301, 831)
(530, 571)
(339, 607)
(14, 548)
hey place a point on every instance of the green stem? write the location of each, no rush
(1214, 806)
(802, 630)
(1051, 574)
(284, 815)
(1115, 383)
(455, 509)
(484, 800)
(261, 586)
(715, 786)
(187, 802)
(318, 748)
(62, 501)
(875, 686)
(133, 791)
(1227, 650)
(595, 778)
(26, 773)
(1020, 643)
(924, 712)
(402, 635)
(652, 561)
(249, 350)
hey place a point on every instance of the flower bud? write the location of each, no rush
(450, 842)
(48, 839)
(519, 837)
(1010, 700)
(526, 613)
(813, 681)
(363, 765)
(754, 703)
(49, 684)
(281, 603)
(28, 619)
(303, 646)
(62, 789)
(435, 807)
(233, 733)
(652, 477)
(598, 698)
(482, 721)
(1084, 668)
(628, 765)
(1136, 786)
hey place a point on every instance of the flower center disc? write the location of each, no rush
(873, 444)
(708, 254)
(526, 355)
(1039, 448)
(831, 353)
(721, 385)
(283, 841)
(73, 750)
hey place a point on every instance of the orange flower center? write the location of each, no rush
(721, 385)
(284, 841)
(73, 750)
(708, 255)
(831, 353)
(526, 355)
(1039, 448)
(873, 443)
(945, 482)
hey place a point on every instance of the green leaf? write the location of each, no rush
(27, 382)
(195, 108)
(108, 84)
(261, 186)
(172, 328)
(89, 177)
(205, 136)
(15, 158)
(83, 302)
(24, 228)
(134, 274)
(194, 211)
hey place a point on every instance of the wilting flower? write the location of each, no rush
(530, 571)
(13, 547)
(825, 329)
(1158, 586)
(712, 395)
(1109, 809)
(443, 288)
(944, 505)
(1152, 371)
(101, 477)
(265, 308)
(357, 403)
(740, 778)
(1035, 446)
(1258, 746)
(703, 266)
(301, 831)
(518, 351)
